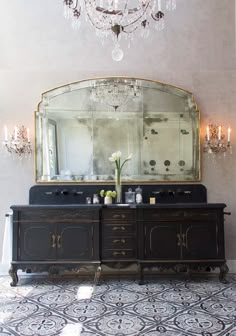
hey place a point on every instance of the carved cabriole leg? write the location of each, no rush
(97, 275)
(13, 274)
(224, 269)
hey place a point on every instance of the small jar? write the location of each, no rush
(88, 200)
(107, 200)
(130, 196)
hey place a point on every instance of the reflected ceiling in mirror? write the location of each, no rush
(79, 126)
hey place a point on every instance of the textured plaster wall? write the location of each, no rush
(196, 51)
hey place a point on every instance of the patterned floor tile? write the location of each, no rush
(78, 307)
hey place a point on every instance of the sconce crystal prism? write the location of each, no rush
(216, 141)
(19, 143)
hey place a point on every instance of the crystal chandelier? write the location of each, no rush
(115, 19)
(115, 93)
(18, 144)
(216, 141)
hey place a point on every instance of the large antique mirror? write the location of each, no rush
(79, 126)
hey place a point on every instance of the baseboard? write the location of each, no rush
(232, 266)
(4, 268)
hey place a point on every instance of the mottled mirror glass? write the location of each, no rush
(79, 126)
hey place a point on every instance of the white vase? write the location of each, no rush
(107, 200)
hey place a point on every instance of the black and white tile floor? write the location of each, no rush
(162, 307)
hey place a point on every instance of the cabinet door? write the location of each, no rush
(162, 240)
(37, 241)
(200, 240)
(75, 241)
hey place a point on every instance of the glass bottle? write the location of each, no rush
(138, 195)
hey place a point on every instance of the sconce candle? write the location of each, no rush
(229, 131)
(219, 133)
(28, 135)
(208, 133)
(15, 133)
(5, 133)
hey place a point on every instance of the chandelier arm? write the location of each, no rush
(138, 19)
(120, 12)
(125, 26)
(113, 17)
(97, 27)
(76, 4)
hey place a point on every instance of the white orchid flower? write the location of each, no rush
(115, 156)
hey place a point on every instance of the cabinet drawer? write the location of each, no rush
(118, 254)
(59, 215)
(119, 242)
(159, 214)
(113, 229)
(118, 214)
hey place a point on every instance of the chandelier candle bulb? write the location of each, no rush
(15, 133)
(208, 133)
(229, 131)
(5, 133)
(219, 133)
(28, 134)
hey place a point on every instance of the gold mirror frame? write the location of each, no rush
(79, 125)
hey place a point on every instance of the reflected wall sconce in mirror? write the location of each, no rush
(216, 141)
(119, 20)
(18, 144)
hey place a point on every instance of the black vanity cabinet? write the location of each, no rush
(118, 235)
(181, 232)
(53, 237)
(182, 237)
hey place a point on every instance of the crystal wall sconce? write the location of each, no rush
(216, 141)
(18, 144)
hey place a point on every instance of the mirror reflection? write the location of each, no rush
(79, 125)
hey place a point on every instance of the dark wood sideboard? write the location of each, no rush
(185, 236)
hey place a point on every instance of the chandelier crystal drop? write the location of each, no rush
(117, 19)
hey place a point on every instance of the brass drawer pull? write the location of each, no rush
(119, 216)
(116, 253)
(179, 239)
(59, 242)
(118, 228)
(53, 240)
(117, 241)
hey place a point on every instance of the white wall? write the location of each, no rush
(39, 51)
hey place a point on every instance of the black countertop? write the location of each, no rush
(135, 206)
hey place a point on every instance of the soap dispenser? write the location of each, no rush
(138, 195)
